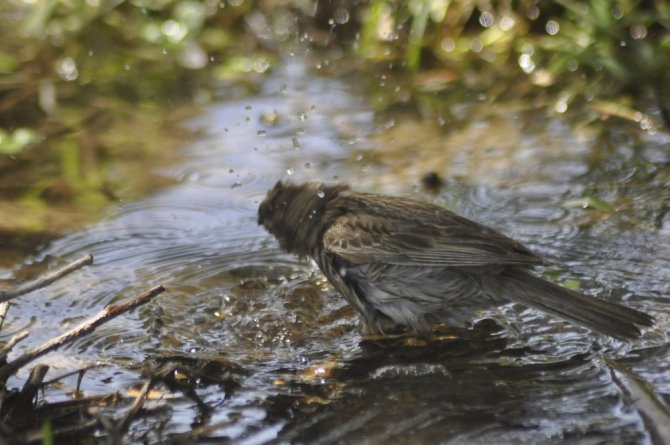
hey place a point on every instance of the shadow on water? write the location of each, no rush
(460, 392)
(299, 370)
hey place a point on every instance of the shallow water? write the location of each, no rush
(305, 375)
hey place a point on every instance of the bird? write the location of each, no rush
(406, 265)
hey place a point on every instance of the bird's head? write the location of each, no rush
(293, 214)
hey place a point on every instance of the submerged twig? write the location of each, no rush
(68, 431)
(46, 279)
(654, 413)
(84, 328)
(80, 372)
(135, 408)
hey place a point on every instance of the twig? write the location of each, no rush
(12, 342)
(137, 405)
(80, 372)
(4, 307)
(34, 381)
(84, 328)
(46, 279)
(67, 407)
(68, 431)
(23, 406)
(654, 413)
(195, 434)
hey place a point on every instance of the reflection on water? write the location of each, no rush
(234, 295)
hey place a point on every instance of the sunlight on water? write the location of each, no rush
(233, 294)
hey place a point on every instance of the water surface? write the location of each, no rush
(302, 372)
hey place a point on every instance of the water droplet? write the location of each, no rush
(270, 118)
(235, 185)
(174, 31)
(231, 171)
(645, 123)
(561, 105)
(296, 144)
(341, 16)
(486, 19)
(477, 46)
(638, 32)
(320, 193)
(526, 63)
(506, 23)
(448, 44)
(67, 69)
(552, 27)
(248, 107)
(308, 165)
(262, 133)
(289, 171)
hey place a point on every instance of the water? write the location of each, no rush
(286, 362)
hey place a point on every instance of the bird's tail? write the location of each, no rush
(599, 315)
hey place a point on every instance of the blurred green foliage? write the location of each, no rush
(572, 52)
(88, 84)
(91, 91)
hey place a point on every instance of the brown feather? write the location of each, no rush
(401, 263)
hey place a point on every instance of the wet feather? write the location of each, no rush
(404, 264)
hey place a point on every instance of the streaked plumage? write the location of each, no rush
(406, 264)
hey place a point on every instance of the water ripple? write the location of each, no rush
(232, 292)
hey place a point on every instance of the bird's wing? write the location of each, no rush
(430, 238)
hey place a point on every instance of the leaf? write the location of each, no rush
(589, 202)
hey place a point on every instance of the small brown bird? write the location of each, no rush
(404, 265)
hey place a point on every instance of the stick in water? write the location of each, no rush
(46, 279)
(109, 312)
